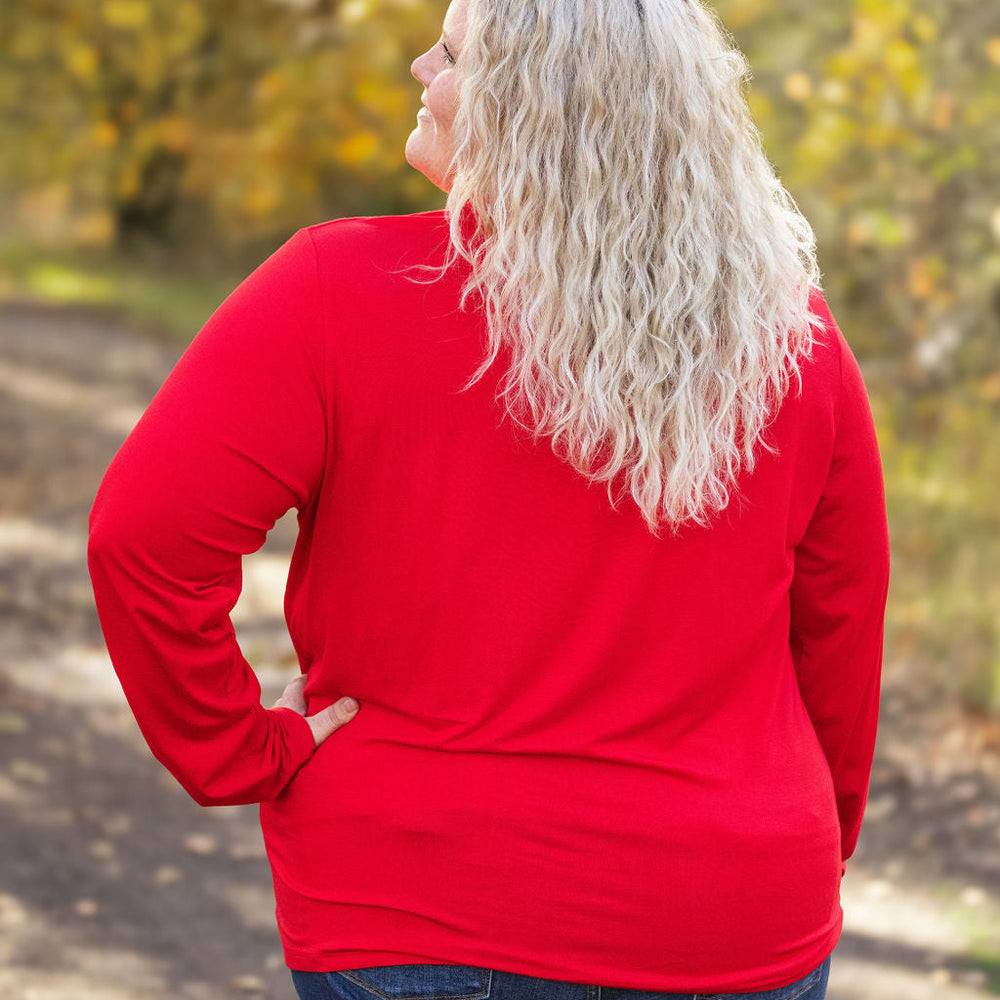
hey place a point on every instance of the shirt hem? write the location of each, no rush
(670, 982)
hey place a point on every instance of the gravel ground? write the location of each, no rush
(115, 886)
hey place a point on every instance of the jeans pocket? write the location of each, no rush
(812, 986)
(421, 982)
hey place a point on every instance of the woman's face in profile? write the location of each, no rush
(429, 148)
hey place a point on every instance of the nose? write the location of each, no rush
(418, 69)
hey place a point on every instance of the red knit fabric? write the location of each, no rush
(582, 753)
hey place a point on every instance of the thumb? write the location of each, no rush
(329, 720)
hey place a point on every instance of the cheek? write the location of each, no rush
(444, 105)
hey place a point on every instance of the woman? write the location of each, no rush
(610, 739)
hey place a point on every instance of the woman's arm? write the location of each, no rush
(234, 438)
(838, 598)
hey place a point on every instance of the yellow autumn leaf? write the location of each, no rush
(355, 10)
(104, 134)
(125, 14)
(743, 12)
(834, 91)
(761, 106)
(188, 20)
(153, 66)
(797, 86)
(925, 28)
(891, 15)
(83, 62)
(900, 56)
(941, 111)
(882, 133)
(824, 139)
(175, 133)
(270, 86)
(990, 388)
(918, 279)
(128, 181)
(261, 198)
(859, 233)
(359, 149)
(995, 223)
(867, 35)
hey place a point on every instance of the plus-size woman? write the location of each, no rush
(591, 524)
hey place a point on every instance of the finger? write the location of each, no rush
(327, 722)
(297, 705)
(292, 697)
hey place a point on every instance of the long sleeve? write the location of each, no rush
(235, 437)
(838, 598)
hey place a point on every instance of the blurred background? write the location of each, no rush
(153, 152)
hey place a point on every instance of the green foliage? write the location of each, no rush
(942, 465)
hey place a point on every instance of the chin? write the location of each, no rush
(417, 156)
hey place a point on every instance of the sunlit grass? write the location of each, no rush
(170, 301)
(977, 919)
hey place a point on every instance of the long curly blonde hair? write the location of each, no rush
(633, 247)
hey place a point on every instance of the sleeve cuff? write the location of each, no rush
(299, 738)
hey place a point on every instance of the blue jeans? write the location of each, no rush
(466, 982)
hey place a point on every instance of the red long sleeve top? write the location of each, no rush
(583, 753)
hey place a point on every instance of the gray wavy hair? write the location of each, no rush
(635, 250)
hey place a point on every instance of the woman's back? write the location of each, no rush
(584, 752)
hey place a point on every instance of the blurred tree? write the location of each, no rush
(183, 120)
(883, 118)
(155, 118)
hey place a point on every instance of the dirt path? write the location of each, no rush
(115, 886)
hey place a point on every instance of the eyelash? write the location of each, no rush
(450, 58)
